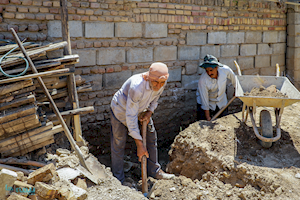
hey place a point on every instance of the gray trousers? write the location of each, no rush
(118, 139)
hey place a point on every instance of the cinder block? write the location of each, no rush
(191, 68)
(250, 71)
(293, 18)
(188, 53)
(248, 50)
(293, 41)
(140, 55)
(190, 82)
(262, 61)
(253, 37)
(156, 30)
(174, 74)
(263, 49)
(277, 59)
(235, 38)
(86, 57)
(246, 62)
(138, 71)
(217, 38)
(267, 71)
(115, 80)
(196, 38)
(99, 30)
(229, 62)
(293, 29)
(279, 48)
(212, 50)
(270, 37)
(165, 53)
(55, 30)
(129, 30)
(110, 56)
(229, 50)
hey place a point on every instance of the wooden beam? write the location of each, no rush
(16, 161)
(17, 102)
(17, 113)
(14, 86)
(78, 111)
(16, 169)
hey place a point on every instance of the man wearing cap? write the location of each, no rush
(212, 88)
(136, 101)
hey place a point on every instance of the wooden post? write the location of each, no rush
(71, 78)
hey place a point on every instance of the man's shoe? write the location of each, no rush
(163, 175)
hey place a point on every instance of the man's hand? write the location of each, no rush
(145, 116)
(207, 115)
(141, 150)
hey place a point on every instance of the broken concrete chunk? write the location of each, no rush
(79, 193)
(7, 178)
(15, 196)
(65, 193)
(81, 182)
(68, 173)
(20, 176)
(43, 174)
(23, 189)
(46, 191)
(62, 151)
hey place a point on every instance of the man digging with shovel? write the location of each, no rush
(137, 100)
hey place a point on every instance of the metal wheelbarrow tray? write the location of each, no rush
(246, 83)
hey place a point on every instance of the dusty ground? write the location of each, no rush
(224, 160)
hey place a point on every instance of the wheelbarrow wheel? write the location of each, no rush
(266, 127)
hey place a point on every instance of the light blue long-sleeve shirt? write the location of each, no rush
(133, 98)
(212, 91)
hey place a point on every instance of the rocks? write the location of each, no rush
(43, 174)
(7, 178)
(46, 191)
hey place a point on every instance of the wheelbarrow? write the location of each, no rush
(246, 83)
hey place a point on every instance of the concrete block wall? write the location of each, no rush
(118, 38)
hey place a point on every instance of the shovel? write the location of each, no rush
(97, 174)
(144, 161)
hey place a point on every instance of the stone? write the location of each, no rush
(246, 62)
(7, 178)
(262, 61)
(60, 151)
(188, 53)
(190, 82)
(229, 50)
(86, 57)
(277, 59)
(279, 48)
(129, 30)
(115, 80)
(67, 173)
(79, 193)
(281, 36)
(263, 49)
(156, 30)
(235, 38)
(248, 49)
(270, 37)
(45, 190)
(23, 189)
(217, 38)
(165, 53)
(253, 37)
(212, 50)
(196, 38)
(99, 30)
(15, 196)
(174, 74)
(43, 174)
(110, 56)
(96, 81)
(81, 182)
(139, 55)
(54, 28)
(191, 68)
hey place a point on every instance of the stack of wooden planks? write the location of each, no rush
(26, 118)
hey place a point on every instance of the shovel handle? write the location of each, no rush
(220, 111)
(144, 160)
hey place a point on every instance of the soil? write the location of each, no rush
(270, 91)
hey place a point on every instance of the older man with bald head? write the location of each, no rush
(136, 101)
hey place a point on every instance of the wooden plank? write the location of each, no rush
(28, 142)
(10, 126)
(15, 86)
(78, 111)
(66, 58)
(24, 90)
(63, 82)
(7, 48)
(32, 148)
(30, 133)
(18, 61)
(17, 102)
(41, 74)
(17, 113)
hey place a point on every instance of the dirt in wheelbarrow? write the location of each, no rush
(270, 91)
(223, 159)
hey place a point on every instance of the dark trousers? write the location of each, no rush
(118, 138)
(201, 113)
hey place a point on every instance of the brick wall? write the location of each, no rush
(116, 39)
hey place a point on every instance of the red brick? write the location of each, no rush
(95, 5)
(40, 16)
(85, 18)
(27, 2)
(47, 3)
(14, 27)
(109, 70)
(76, 17)
(58, 17)
(4, 1)
(43, 26)
(76, 4)
(18, 2)
(8, 15)
(143, 5)
(54, 10)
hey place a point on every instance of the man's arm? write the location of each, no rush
(203, 91)
(141, 150)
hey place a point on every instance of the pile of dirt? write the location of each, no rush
(270, 91)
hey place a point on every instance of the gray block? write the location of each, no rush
(293, 18)
(235, 38)
(248, 50)
(281, 36)
(293, 52)
(165, 53)
(140, 55)
(212, 50)
(127, 29)
(110, 56)
(196, 38)
(55, 30)
(217, 38)
(293, 41)
(188, 53)
(86, 57)
(229, 62)
(263, 49)
(270, 37)
(138, 71)
(99, 30)
(200, 70)
(246, 62)
(174, 74)
(156, 30)
(253, 37)
(262, 61)
(279, 48)
(191, 68)
(229, 50)
(277, 59)
(115, 80)
(190, 82)
(293, 29)
(95, 79)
